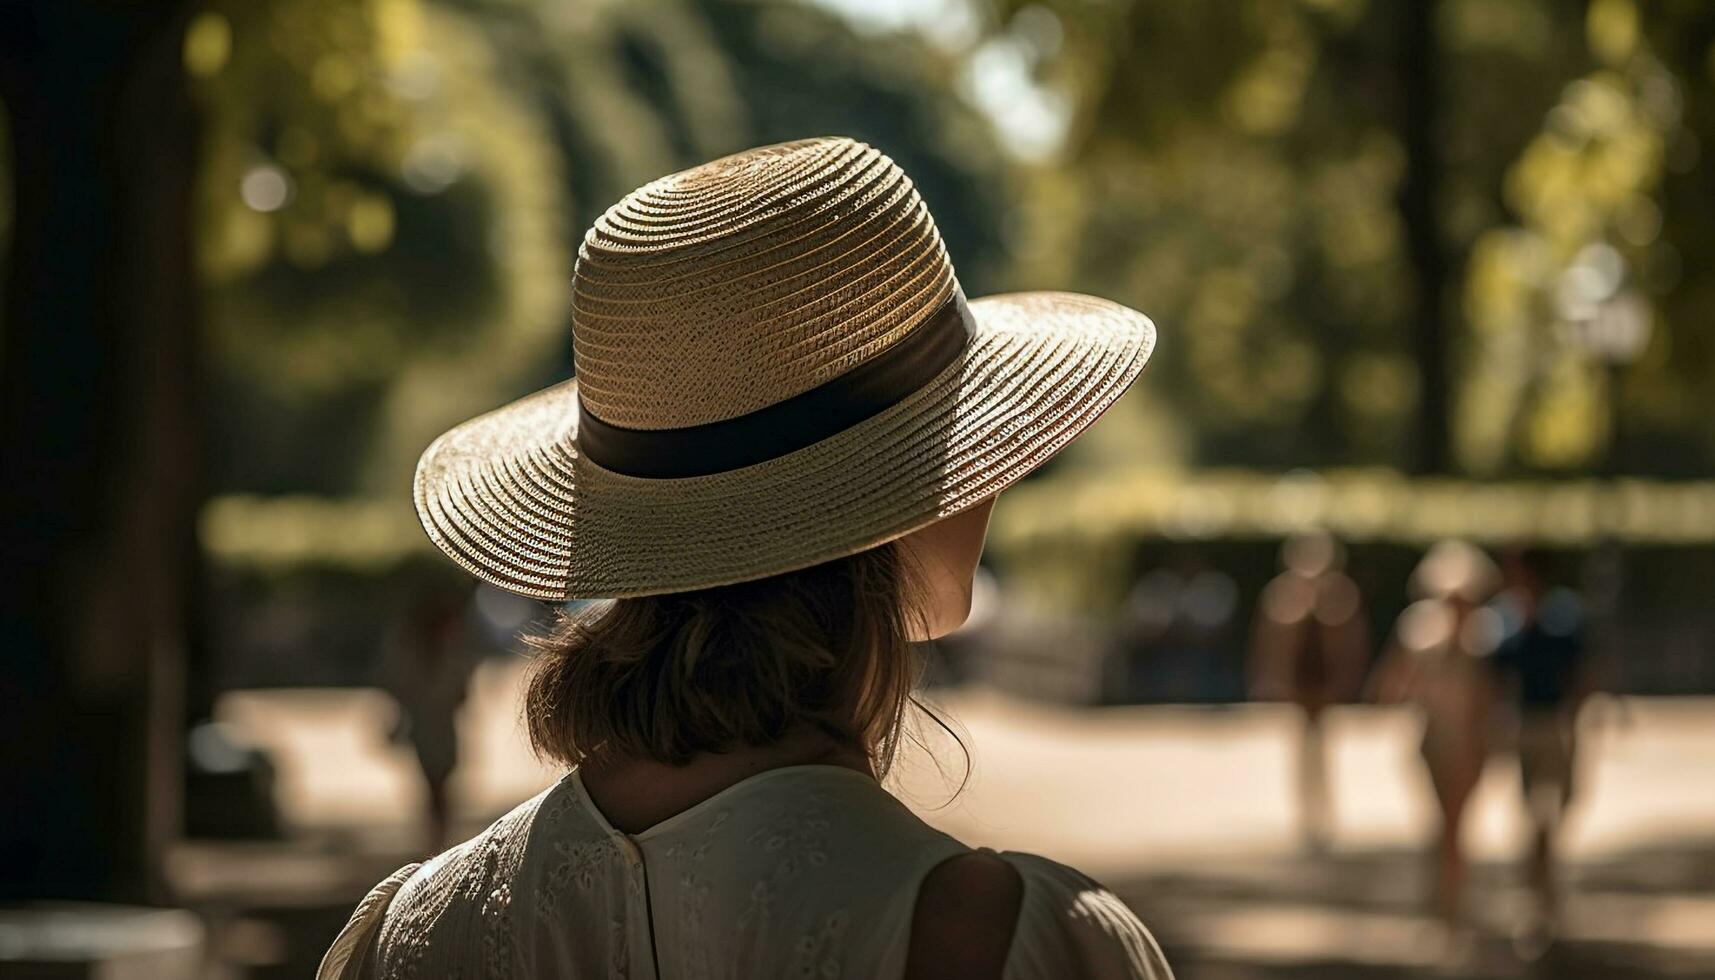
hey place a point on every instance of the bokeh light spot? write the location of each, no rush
(370, 223)
(208, 44)
(265, 188)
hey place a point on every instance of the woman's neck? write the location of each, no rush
(635, 794)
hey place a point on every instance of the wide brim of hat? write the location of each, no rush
(508, 496)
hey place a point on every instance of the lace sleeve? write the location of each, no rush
(345, 958)
(1071, 926)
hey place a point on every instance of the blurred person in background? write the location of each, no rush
(776, 533)
(1310, 647)
(1437, 659)
(1545, 677)
(427, 660)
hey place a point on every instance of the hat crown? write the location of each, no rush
(723, 289)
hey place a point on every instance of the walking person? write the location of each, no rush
(778, 458)
(427, 662)
(1310, 647)
(1544, 676)
(1437, 660)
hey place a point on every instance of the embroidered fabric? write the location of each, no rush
(804, 871)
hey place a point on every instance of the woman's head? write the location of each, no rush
(1455, 572)
(768, 342)
(668, 677)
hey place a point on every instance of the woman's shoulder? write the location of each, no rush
(453, 883)
(1069, 921)
(346, 958)
(553, 817)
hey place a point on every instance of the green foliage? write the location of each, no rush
(1584, 252)
(382, 216)
(393, 192)
(1231, 171)
(1234, 169)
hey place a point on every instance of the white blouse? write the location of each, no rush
(802, 871)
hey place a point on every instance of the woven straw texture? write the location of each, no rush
(724, 289)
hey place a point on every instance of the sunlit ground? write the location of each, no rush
(1188, 812)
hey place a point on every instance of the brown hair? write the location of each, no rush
(669, 676)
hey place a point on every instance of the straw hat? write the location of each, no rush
(776, 367)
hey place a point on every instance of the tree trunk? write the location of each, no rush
(1419, 130)
(100, 443)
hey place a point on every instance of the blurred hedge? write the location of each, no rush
(1359, 505)
(1116, 507)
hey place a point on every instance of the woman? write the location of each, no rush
(779, 456)
(1438, 660)
(1310, 646)
(426, 665)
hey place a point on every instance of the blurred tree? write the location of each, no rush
(391, 205)
(100, 438)
(1419, 123)
(1234, 170)
(1582, 305)
(382, 235)
(5, 211)
(1361, 222)
(1666, 400)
